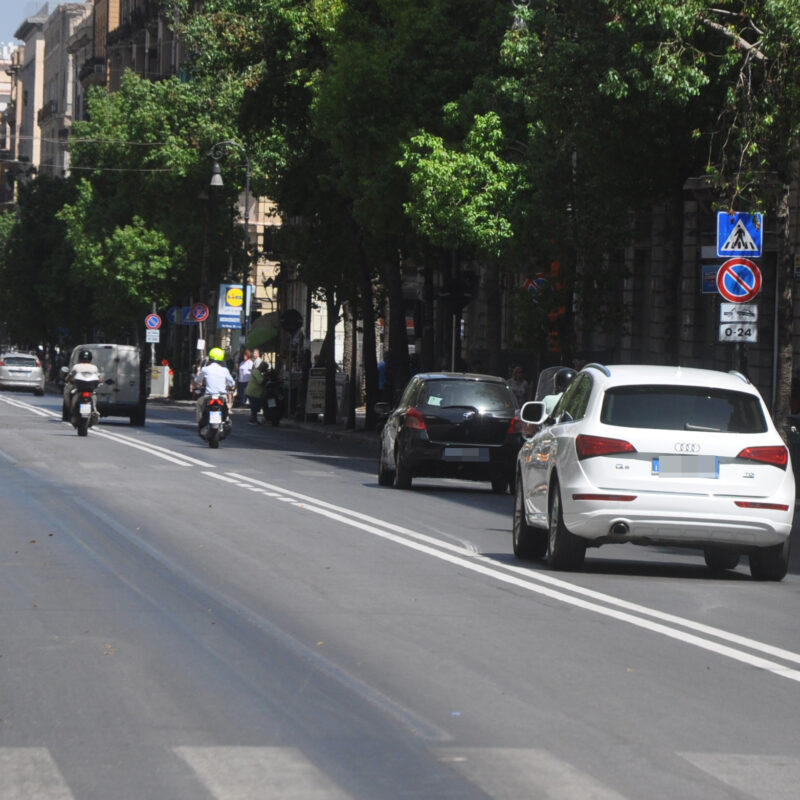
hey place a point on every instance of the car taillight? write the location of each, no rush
(2, 362)
(414, 420)
(768, 506)
(516, 426)
(38, 363)
(590, 446)
(776, 455)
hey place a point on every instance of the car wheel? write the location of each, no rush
(38, 392)
(385, 476)
(138, 416)
(528, 542)
(564, 549)
(500, 484)
(770, 563)
(720, 560)
(402, 474)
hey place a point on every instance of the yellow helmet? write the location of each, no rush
(216, 354)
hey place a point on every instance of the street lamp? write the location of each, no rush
(219, 152)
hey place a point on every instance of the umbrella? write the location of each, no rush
(263, 333)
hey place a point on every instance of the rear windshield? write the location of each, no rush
(683, 408)
(494, 397)
(19, 361)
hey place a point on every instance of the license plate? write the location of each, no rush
(271, 402)
(466, 454)
(686, 466)
(85, 409)
(215, 417)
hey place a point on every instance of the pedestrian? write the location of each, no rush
(255, 389)
(242, 378)
(256, 357)
(518, 385)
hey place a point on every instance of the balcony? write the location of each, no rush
(49, 108)
(93, 72)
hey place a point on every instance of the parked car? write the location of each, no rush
(450, 425)
(655, 456)
(22, 371)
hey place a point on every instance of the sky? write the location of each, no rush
(14, 12)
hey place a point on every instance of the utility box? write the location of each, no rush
(159, 382)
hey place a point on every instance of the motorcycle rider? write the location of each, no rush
(216, 379)
(84, 370)
(562, 379)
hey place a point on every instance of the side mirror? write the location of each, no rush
(382, 409)
(64, 372)
(533, 412)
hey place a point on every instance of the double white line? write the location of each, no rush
(706, 637)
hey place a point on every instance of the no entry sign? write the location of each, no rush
(739, 280)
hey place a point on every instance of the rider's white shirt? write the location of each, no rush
(217, 379)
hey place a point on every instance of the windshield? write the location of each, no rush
(483, 396)
(683, 408)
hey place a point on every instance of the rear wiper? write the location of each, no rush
(689, 426)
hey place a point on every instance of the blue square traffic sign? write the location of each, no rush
(739, 234)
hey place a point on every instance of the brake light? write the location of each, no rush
(768, 506)
(38, 363)
(516, 426)
(215, 401)
(86, 395)
(590, 446)
(777, 455)
(2, 362)
(414, 420)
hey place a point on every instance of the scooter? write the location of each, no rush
(82, 410)
(215, 422)
(273, 400)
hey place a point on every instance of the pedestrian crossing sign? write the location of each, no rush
(739, 234)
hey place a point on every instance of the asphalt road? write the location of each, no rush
(265, 621)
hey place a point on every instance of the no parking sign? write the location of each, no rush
(739, 280)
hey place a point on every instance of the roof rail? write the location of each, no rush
(738, 375)
(605, 370)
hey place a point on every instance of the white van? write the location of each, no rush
(123, 391)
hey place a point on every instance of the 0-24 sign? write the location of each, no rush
(738, 332)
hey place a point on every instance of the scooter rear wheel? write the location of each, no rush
(83, 426)
(213, 438)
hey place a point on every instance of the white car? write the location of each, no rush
(655, 455)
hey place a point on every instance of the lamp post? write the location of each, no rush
(219, 152)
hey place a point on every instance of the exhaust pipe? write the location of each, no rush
(619, 529)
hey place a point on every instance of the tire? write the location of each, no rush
(528, 542)
(213, 438)
(500, 484)
(64, 412)
(564, 549)
(385, 476)
(720, 560)
(83, 426)
(402, 475)
(770, 563)
(38, 392)
(138, 416)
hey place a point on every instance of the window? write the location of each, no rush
(483, 396)
(683, 408)
(572, 405)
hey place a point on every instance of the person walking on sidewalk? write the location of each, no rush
(242, 378)
(254, 390)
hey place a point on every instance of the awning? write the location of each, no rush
(263, 333)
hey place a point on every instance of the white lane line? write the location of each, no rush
(28, 407)
(277, 773)
(29, 773)
(153, 449)
(533, 582)
(506, 773)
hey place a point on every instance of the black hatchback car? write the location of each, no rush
(451, 425)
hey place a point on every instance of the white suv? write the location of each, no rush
(655, 455)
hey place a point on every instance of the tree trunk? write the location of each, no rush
(785, 312)
(491, 288)
(329, 356)
(398, 336)
(369, 358)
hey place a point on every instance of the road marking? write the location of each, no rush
(554, 588)
(28, 407)
(29, 773)
(277, 773)
(775, 777)
(505, 773)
